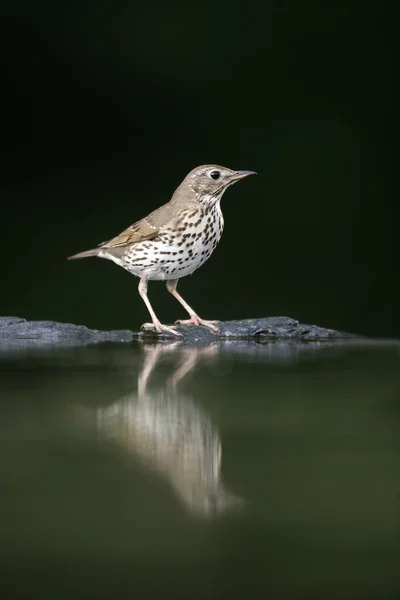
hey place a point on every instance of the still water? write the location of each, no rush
(238, 470)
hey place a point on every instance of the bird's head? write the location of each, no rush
(209, 182)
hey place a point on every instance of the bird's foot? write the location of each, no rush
(160, 328)
(195, 320)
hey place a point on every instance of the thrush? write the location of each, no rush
(174, 240)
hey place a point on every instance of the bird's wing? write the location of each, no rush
(145, 229)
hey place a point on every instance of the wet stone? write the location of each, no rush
(18, 333)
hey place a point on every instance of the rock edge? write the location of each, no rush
(16, 332)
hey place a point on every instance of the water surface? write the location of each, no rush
(230, 471)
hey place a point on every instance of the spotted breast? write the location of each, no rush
(180, 248)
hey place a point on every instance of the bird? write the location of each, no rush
(174, 240)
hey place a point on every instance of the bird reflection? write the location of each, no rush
(171, 433)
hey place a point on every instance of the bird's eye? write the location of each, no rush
(215, 175)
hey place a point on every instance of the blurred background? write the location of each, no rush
(108, 105)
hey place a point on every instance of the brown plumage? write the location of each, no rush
(175, 239)
(145, 229)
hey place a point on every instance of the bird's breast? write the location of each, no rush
(180, 248)
(196, 238)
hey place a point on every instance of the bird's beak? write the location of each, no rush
(241, 174)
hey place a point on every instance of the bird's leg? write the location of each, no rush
(156, 323)
(194, 318)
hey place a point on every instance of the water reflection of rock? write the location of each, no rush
(172, 434)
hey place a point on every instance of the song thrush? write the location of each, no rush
(175, 239)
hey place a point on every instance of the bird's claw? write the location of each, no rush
(195, 320)
(160, 328)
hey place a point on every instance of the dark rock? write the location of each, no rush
(19, 333)
(266, 329)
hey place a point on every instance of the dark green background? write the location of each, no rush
(110, 104)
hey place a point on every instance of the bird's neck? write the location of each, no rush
(204, 201)
(208, 201)
(213, 206)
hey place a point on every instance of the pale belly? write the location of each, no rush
(169, 256)
(156, 261)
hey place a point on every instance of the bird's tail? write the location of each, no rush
(93, 252)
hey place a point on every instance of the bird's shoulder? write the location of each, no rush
(149, 227)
